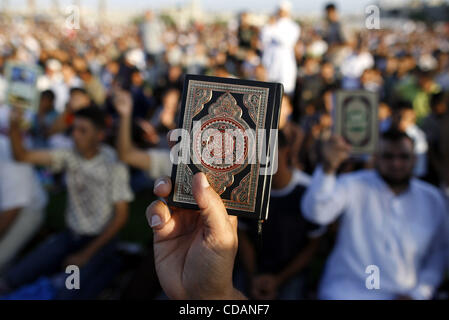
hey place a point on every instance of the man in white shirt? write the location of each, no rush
(279, 40)
(22, 204)
(392, 241)
(358, 60)
(22, 198)
(152, 31)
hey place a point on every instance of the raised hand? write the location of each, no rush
(123, 103)
(335, 152)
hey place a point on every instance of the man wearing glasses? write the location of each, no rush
(392, 240)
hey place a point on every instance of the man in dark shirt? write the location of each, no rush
(289, 241)
(333, 34)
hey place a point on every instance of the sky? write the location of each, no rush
(299, 6)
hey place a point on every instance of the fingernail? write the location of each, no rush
(159, 183)
(204, 183)
(155, 221)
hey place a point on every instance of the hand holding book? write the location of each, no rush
(194, 249)
(231, 128)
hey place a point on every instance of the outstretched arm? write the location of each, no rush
(20, 153)
(127, 152)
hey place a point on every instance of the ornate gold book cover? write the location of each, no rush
(228, 130)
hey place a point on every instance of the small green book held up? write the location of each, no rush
(356, 120)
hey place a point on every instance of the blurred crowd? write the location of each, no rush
(110, 94)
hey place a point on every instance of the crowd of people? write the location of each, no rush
(111, 93)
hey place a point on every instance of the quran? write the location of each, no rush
(228, 130)
(356, 115)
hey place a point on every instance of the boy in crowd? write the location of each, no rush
(98, 196)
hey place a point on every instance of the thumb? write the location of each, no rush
(212, 209)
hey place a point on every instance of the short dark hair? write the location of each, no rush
(438, 98)
(77, 89)
(395, 135)
(48, 94)
(330, 6)
(94, 115)
(403, 105)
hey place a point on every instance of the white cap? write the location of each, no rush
(427, 62)
(53, 65)
(136, 58)
(285, 5)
